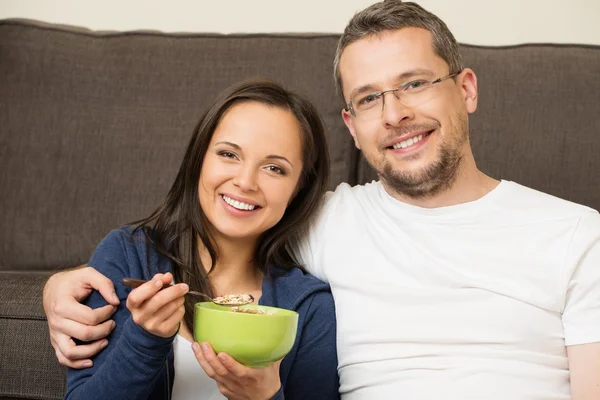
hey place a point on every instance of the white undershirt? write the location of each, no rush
(191, 382)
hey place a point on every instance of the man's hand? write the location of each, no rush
(68, 319)
(158, 311)
(234, 380)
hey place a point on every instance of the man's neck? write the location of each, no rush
(470, 184)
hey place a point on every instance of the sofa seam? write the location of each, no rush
(83, 31)
(23, 317)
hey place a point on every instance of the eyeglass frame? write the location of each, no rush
(349, 108)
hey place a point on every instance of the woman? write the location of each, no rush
(251, 179)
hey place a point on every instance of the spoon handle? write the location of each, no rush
(133, 283)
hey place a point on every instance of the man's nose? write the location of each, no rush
(393, 111)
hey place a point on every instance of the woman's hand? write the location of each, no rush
(158, 311)
(236, 381)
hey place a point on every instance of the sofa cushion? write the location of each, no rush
(28, 364)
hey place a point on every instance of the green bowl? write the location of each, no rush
(255, 340)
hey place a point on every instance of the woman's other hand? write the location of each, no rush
(236, 381)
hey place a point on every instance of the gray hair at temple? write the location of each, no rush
(390, 15)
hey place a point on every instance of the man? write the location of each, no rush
(449, 284)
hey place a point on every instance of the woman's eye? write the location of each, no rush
(227, 154)
(276, 169)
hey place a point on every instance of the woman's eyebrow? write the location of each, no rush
(235, 146)
(276, 157)
(269, 157)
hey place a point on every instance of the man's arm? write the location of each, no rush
(69, 320)
(584, 364)
(581, 316)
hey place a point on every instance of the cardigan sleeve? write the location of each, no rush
(134, 358)
(313, 374)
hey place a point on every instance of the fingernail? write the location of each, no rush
(222, 357)
(104, 343)
(184, 287)
(204, 347)
(113, 325)
(87, 364)
(115, 298)
(158, 283)
(195, 347)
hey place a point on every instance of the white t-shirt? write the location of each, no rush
(473, 301)
(191, 382)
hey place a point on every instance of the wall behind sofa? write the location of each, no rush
(482, 22)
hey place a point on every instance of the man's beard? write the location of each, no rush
(434, 178)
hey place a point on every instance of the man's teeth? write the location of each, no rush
(408, 142)
(238, 204)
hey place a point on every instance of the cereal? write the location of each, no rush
(231, 299)
(248, 310)
(252, 311)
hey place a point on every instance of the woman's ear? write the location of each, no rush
(301, 184)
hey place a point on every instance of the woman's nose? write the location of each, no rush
(245, 179)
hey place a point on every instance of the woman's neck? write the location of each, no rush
(235, 270)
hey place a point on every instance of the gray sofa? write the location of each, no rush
(93, 126)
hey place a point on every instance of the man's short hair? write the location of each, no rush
(390, 15)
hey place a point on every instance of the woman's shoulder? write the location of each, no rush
(291, 288)
(122, 238)
(130, 248)
(296, 276)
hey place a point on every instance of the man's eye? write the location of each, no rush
(368, 99)
(415, 85)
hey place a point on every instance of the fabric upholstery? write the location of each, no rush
(28, 366)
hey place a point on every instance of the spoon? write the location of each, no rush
(227, 300)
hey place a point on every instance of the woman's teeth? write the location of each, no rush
(238, 204)
(408, 142)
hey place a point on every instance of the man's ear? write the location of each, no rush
(349, 121)
(468, 83)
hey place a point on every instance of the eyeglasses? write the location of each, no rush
(411, 94)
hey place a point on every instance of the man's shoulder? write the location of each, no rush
(347, 195)
(346, 201)
(540, 204)
(366, 189)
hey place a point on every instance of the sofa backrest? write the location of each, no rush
(93, 125)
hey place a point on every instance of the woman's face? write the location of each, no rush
(251, 170)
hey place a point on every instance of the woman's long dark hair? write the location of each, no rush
(179, 222)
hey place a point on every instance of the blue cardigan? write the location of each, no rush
(139, 365)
